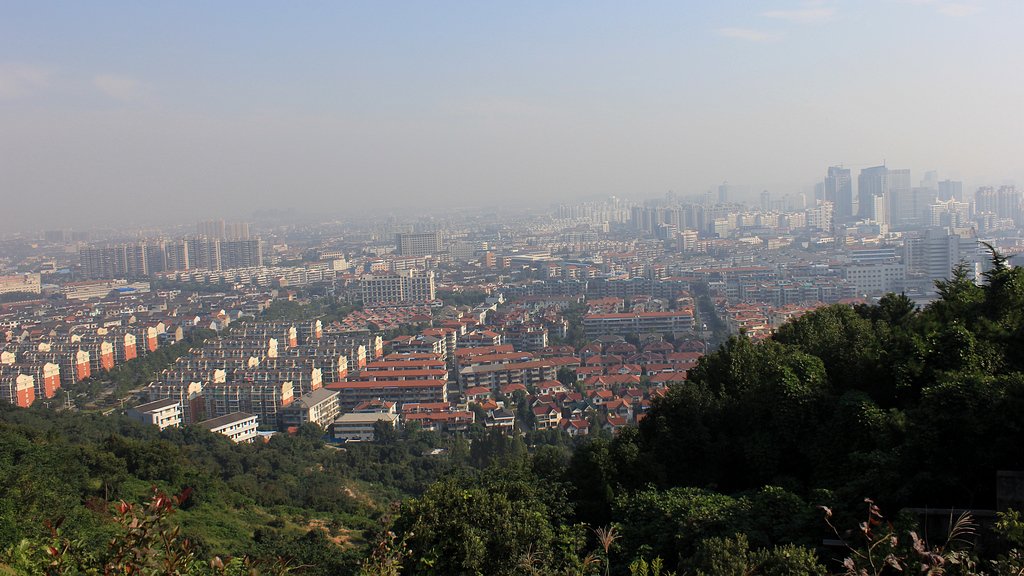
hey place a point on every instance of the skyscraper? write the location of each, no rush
(839, 191)
(870, 183)
(950, 190)
(897, 180)
(724, 193)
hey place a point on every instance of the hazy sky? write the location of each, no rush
(184, 110)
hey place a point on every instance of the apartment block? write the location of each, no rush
(319, 407)
(161, 413)
(418, 244)
(238, 426)
(401, 286)
(398, 391)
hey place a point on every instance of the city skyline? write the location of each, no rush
(157, 113)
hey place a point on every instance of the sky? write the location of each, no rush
(150, 112)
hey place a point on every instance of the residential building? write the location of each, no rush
(18, 389)
(162, 413)
(238, 426)
(418, 244)
(359, 426)
(399, 391)
(319, 407)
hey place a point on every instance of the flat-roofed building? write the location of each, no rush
(401, 286)
(418, 244)
(21, 283)
(499, 375)
(238, 426)
(638, 322)
(162, 413)
(188, 394)
(358, 426)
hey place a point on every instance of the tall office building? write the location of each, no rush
(931, 180)
(898, 180)
(910, 207)
(418, 244)
(766, 200)
(870, 184)
(724, 193)
(839, 191)
(950, 190)
(898, 189)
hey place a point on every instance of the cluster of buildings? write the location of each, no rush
(636, 265)
(145, 258)
(273, 371)
(47, 344)
(461, 370)
(37, 365)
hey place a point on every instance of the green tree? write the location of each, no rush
(486, 524)
(384, 432)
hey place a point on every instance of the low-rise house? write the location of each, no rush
(547, 416)
(575, 427)
(614, 424)
(501, 418)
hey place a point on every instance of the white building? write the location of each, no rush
(162, 413)
(400, 286)
(876, 277)
(239, 426)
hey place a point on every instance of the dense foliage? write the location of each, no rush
(261, 500)
(917, 407)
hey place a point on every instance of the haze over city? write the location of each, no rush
(149, 112)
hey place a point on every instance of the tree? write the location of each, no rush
(567, 376)
(384, 432)
(486, 524)
(412, 430)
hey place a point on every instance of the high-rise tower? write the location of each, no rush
(839, 191)
(870, 183)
